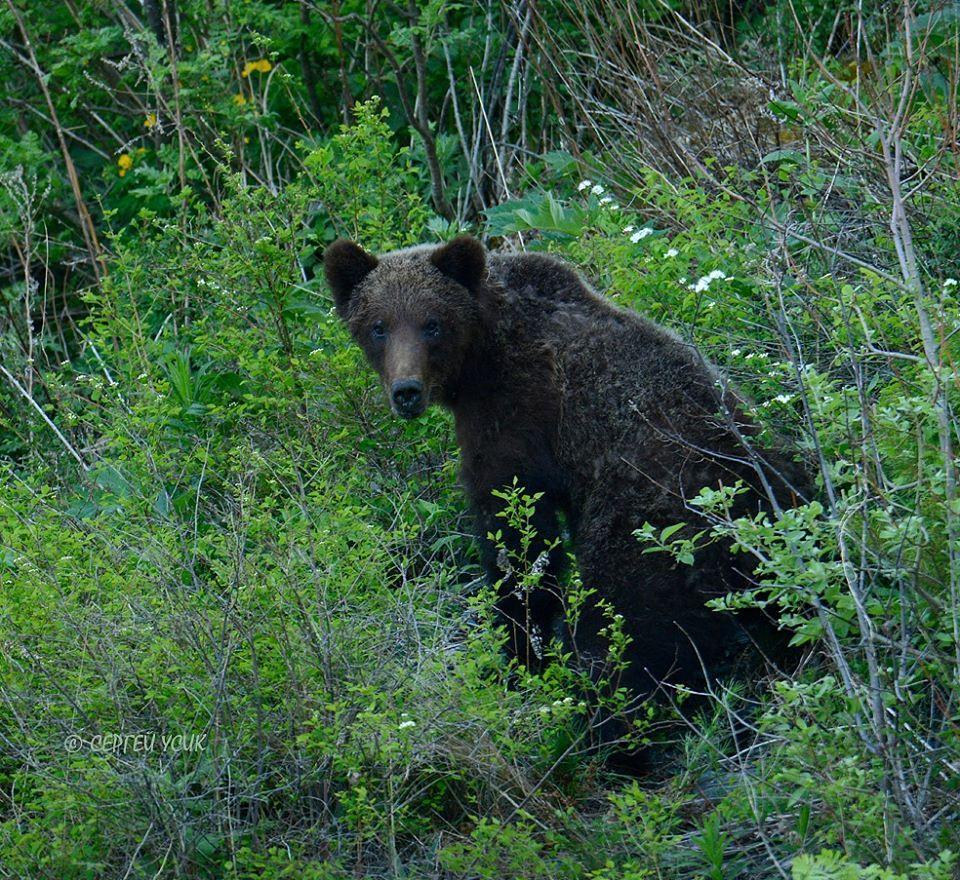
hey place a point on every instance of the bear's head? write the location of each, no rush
(415, 313)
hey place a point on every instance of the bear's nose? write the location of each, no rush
(407, 396)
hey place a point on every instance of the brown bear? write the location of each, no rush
(615, 420)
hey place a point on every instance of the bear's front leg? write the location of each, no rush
(525, 564)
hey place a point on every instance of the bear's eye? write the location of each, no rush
(431, 330)
(378, 331)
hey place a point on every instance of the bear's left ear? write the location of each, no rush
(463, 259)
(345, 265)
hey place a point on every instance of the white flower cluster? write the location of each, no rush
(640, 233)
(780, 398)
(705, 282)
(597, 189)
(565, 703)
(950, 282)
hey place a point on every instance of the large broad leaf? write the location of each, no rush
(783, 156)
(536, 211)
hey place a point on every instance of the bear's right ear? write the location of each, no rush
(463, 259)
(345, 265)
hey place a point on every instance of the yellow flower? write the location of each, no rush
(262, 65)
(150, 121)
(124, 163)
(239, 99)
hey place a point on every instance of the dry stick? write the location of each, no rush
(168, 23)
(514, 70)
(869, 453)
(891, 145)
(769, 221)
(347, 95)
(24, 203)
(262, 135)
(415, 112)
(550, 93)
(421, 120)
(86, 221)
(477, 126)
(889, 135)
(458, 122)
(524, 99)
(678, 155)
(667, 139)
(131, 24)
(100, 120)
(772, 223)
(45, 417)
(26, 342)
(26, 106)
(746, 776)
(496, 154)
(28, 289)
(14, 324)
(306, 66)
(136, 852)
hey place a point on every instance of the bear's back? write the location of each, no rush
(639, 405)
(555, 303)
(541, 287)
(601, 349)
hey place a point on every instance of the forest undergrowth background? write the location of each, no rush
(243, 632)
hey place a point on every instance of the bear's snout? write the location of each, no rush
(408, 398)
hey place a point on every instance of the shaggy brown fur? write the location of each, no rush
(614, 419)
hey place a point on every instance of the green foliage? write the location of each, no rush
(241, 629)
(366, 185)
(830, 865)
(808, 350)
